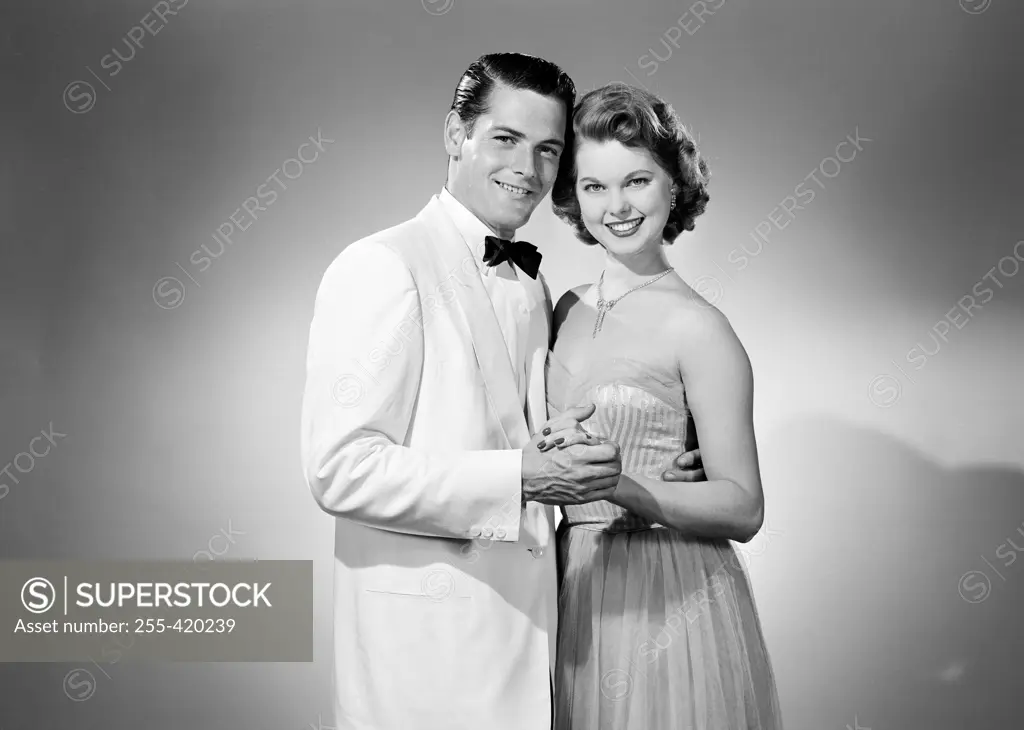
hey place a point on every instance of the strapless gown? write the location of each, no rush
(656, 630)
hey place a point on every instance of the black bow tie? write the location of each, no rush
(522, 254)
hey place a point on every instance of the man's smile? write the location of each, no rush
(514, 190)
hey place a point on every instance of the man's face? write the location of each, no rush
(509, 163)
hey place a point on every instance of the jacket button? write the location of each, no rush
(474, 532)
(500, 533)
(537, 552)
(488, 532)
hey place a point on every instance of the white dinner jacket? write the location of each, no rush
(445, 588)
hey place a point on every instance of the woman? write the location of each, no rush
(657, 625)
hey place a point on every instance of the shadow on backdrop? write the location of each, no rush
(898, 582)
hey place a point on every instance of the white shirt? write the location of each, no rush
(507, 294)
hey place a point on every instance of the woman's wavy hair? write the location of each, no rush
(638, 119)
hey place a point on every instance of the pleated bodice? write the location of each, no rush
(641, 409)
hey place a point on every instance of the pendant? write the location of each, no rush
(602, 309)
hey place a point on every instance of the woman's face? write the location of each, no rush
(624, 195)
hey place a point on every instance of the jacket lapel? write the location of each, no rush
(456, 264)
(537, 352)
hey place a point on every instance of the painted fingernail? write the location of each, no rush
(541, 445)
(559, 440)
(546, 432)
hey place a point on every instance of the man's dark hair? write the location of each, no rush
(515, 70)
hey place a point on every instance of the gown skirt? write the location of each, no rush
(656, 630)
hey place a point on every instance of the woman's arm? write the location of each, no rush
(712, 510)
(720, 391)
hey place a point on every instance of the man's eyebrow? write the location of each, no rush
(519, 135)
(509, 131)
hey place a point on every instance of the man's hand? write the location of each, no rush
(576, 475)
(687, 467)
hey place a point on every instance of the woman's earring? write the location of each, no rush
(672, 205)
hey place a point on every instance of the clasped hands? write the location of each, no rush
(566, 465)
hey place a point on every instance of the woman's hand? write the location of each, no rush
(566, 430)
(567, 437)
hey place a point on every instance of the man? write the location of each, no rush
(425, 380)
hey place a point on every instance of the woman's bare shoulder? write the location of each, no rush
(567, 301)
(693, 313)
(702, 334)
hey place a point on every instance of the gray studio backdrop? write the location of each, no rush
(862, 236)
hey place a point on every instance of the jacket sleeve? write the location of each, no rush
(356, 414)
